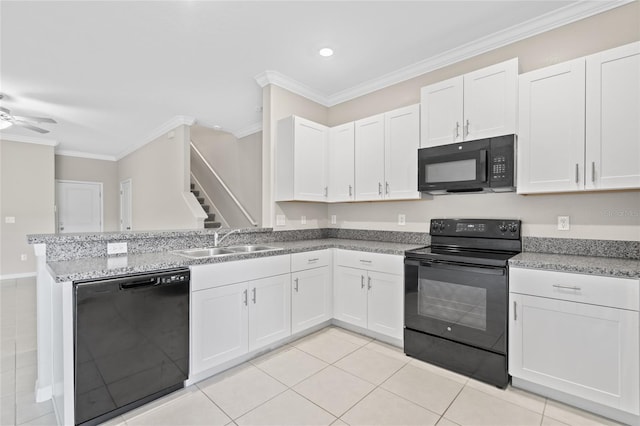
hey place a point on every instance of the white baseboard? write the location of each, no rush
(16, 276)
(43, 393)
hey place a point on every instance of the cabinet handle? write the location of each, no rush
(326, 191)
(466, 132)
(457, 130)
(515, 311)
(254, 296)
(379, 188)
(361, 281)
(369, 283)
(593, 171)
(365, 261)
(567, 287)
(350, 191)
(386, 188)
(577, 173)
(246, 297)
(295, 287)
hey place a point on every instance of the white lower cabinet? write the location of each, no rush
(369, 298)
(577, 334)
(311, 289)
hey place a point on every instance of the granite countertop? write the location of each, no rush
(607, 266)
(101, 267)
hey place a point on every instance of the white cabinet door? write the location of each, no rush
(269, 310)
(311, 298)
(583, 350)
(310, 160)
(385, 313)
(219, 328)
(490, 101)
(350, 296)
(551, 134)
(442, 112)
(369, 153)
(613, 118)
(402, 140)
(342, 163)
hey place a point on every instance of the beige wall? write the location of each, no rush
(279, 103)
(159, 173)
(92, 170)
(608, 215)
(26, 193)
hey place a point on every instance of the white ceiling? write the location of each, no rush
(113, 73)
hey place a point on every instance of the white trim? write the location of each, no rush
(28, 139)
(549, 21)
(248, 130)
(57, 181)
(16, 276)
(130, 203)
(86, 155)
(178, 120)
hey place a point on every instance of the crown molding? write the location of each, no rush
(288, 83)
(248, 130)
(176, 121)
(28, 139)
(86, 155)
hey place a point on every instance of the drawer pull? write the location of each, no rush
(315, 259)
(369, 283)
(567, 287)
(296, 285)
(365, 261)
(515, 311)
(361, 281)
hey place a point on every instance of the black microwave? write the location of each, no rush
(483, 165)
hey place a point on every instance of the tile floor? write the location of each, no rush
(330, 377)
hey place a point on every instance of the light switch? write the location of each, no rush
(333, 219)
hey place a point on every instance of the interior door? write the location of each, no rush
(125, 205)
(79, 206)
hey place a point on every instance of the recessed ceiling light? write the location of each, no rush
(326, 52)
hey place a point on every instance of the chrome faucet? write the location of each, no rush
(217, 239)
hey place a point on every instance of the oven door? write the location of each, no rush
(458, 302)
(454, 168)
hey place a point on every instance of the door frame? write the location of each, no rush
(57, 210)
(130, 203)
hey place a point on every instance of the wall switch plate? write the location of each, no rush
(333, 219)
(23, 257)
(563, 223)
(303, 220)
(116, 248)
(280, 220)
(402, 219)
(10, 219)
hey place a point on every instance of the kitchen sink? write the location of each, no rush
(200, 253)
(251, 248)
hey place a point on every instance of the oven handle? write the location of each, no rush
(487, 270)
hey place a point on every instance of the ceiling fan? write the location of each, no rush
(7, 119)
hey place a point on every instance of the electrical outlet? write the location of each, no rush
(280, 220)
(116, 248)
(10, 219)
(23, 257)
(563, 223)
(303, 220)
(333, 219)
(402, 219)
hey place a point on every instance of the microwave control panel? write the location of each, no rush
(501, 163)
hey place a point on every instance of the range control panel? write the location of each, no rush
(479, 228)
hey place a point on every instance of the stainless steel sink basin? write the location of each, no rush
(251, 248)
(200, 253)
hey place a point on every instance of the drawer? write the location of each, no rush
(310, 259)
(237, 271)
(388, 263)
(614, 292)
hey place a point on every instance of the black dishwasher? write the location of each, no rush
(131, 342)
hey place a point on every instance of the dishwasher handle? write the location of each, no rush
(147, 282)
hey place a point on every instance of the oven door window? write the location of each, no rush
(464, 303)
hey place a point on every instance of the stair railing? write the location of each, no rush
(224, 186)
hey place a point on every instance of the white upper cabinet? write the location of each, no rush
(369, 164)
(301, 160)
(580, 124)
(477, 105)
(613, 119)
(342, 163)
(551, 134)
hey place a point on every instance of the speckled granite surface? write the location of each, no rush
(100, 267)
(422, 238)
(613, 267)
(580, 247)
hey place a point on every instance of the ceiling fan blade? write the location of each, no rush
(36, 119)
(30, 127)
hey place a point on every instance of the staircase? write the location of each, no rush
(210, 221)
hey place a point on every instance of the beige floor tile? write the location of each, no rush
(28, 409)
(386, 349)
(334, 390)
(26, 379)
(446, 422)
(158, 403)
(370, 365)
(350, 336)
(519, 397)
(339, 422)
(573, 416)
(473, 407)
(46, 420)
(7, 363)
(427, 389)
(287, 409)
(326, 346)
(193, 408)
(290, 366)
(438, 370)
(8, 383)
(27, 359)
(548, 421)
(241, 389)
(384, 408)
(116, 421)
(8, 410)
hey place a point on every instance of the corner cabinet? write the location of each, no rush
(480, 104)
(369, 291)
(579, 127)
(311, 289)
(301, 160)
(576, 334)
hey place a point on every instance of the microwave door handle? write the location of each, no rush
(483, 165)
(463, 268)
